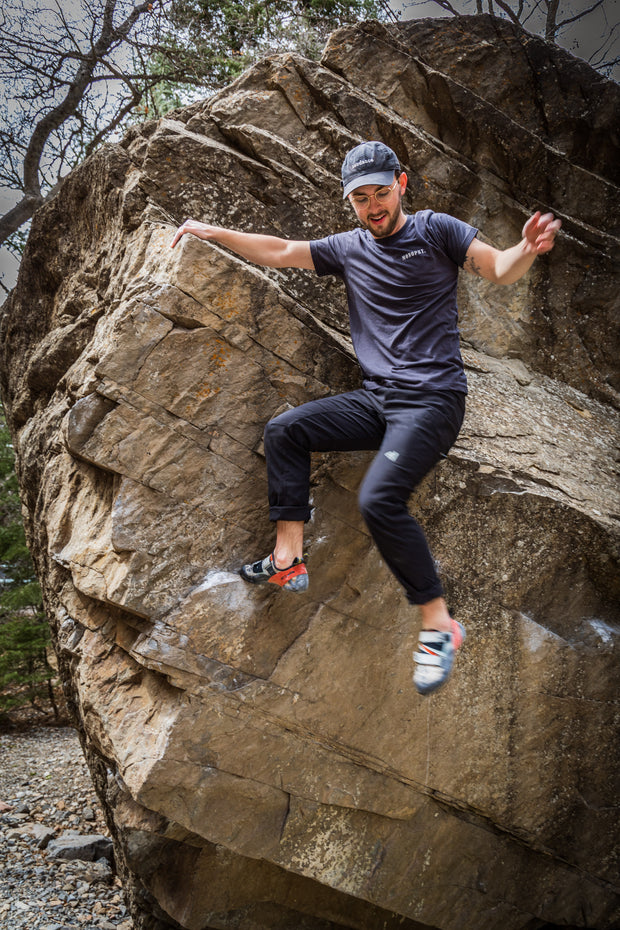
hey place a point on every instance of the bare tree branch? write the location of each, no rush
(510, 12)
(67, 107)
(388, 11)
(109, 37)
(551, 28)
(446, 5)
(580, 15)
(532, 12)
(522, 12)
(18, 215)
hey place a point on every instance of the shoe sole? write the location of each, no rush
(293, 579)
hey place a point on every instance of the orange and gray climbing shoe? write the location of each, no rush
(294, 578)
(434, 657)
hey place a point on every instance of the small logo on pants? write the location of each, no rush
(392, 456)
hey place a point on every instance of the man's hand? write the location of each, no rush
(539, 233)
(196, 229)
(508, 265)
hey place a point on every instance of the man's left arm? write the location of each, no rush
(508, 265)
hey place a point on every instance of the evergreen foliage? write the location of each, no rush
(26, 676)
(228, 35)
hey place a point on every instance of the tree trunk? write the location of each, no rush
(551, 26)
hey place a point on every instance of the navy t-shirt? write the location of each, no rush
(402, 298)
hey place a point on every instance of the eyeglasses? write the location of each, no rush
(381, 196)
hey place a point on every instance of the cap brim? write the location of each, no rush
(384, 178)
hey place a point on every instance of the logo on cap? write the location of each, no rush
(368, 163)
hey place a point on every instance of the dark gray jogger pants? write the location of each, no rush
(411, 431)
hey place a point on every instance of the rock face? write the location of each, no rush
(263, 758)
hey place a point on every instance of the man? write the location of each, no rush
(401, 276)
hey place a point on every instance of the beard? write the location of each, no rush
(382, 222)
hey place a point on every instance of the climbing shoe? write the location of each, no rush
(294, 578)
(434, 657)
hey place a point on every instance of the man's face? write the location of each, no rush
(379, 209)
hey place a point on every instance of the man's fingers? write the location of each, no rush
(541, 230)
(201, 230)
(547, 223)
(545, 220)
(530, 224)
(546, 238)
(186, 227)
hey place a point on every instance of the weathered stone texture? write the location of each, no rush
(265, 761)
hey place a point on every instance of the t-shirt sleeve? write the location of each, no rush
(454, 236)
(328, 254)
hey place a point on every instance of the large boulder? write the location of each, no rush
(264, 759)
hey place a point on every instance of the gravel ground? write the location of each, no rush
(45, 792)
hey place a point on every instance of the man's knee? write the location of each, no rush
(273, 431)
(374, 504)
(278, 427)
(284, 430)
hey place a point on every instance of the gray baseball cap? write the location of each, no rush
(368, 163)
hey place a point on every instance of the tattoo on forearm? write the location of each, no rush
(472, 265)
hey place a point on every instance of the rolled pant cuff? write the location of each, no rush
(296, 514)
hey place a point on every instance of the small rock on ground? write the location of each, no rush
(46, 791)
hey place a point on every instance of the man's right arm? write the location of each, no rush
(270, 251)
